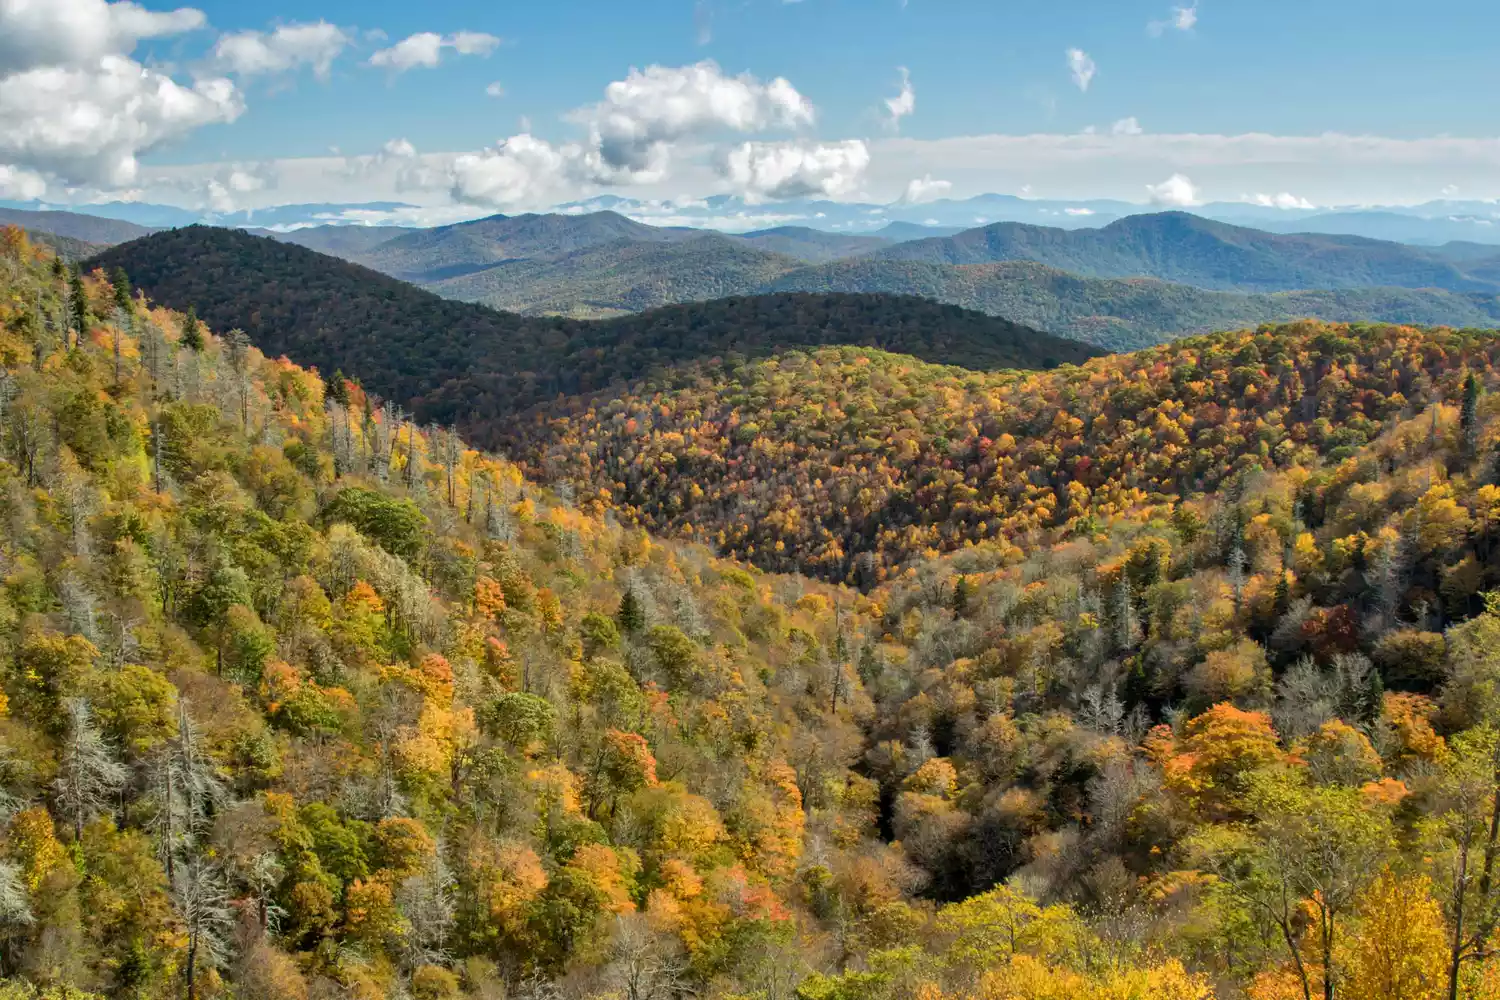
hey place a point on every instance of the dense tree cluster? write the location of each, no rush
(849, 463)
(302, 699)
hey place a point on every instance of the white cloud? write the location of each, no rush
(920, 189)
(426, 49)
(521, 170)
(903, 103)
(1174, 192)
(76, 108)
(776, 170)
(41, 33)
(495, 89)
(1082, 68)
(87, 125)
(632, 130)
(1126, 126)
(400, 148)
(1181, 19)
(1078, 211)
(284, 49)
(1284, 200)
(17, 184)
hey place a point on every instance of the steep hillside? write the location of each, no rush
(476, 366)
(299, 700)
(622, 277)
(813, 246)
(74, 226)
(1187, 249)
(68, 249)
(428, 255)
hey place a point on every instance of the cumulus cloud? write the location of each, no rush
(426, 49)
(1082, 68)
(1181, 19)
(775, 170)
(904, 103)
(1284, 200)
(1126, 126)
(1174, 192)
(920, 189)
(284, 49)
(42, 33)
(401, 148)
(632, 130)
(521, 170)
(495, 89)
(17, 184)
(225, 193)
(76, 108)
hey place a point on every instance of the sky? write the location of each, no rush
(458, 108)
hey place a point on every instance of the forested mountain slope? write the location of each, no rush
(303, 701)
(1115, 313)
(1191, 250)
(415, 347)
(427, 255)
(850, 464)
(74, 226)
(624, 276)
(1126, 314)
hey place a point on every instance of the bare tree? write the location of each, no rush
(203, 904)
(88, 773)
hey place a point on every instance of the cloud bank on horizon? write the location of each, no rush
(104, 101)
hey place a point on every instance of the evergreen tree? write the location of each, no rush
(192, 332)
(121, 285)
(963, 597)
(632, 614)
(338, 388)
(78, 303)
(1468, 414)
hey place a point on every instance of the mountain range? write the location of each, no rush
(476, 366)
(603, 265)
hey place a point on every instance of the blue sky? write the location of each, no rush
(1305, 101)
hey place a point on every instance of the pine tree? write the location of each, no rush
(122, 290)
(192, 332)
(1468, 414)
(78, 302)
(963, 597)
(338, 388)
(88, 773)
(632, 615)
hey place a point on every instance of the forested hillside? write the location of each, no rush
(302, 701)
(622, 277)
(1127, 314)
(478, 366)
(850, 464)
(1191, 250)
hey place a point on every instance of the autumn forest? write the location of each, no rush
(798, 670)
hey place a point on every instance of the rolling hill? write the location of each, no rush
(1187, 249)
(74, 226)
(427, 255)
(622, 277)
(65, 247)
(1115, 313)
(814, 246)
(1128, 313)
(348, 242)
(475, 366)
